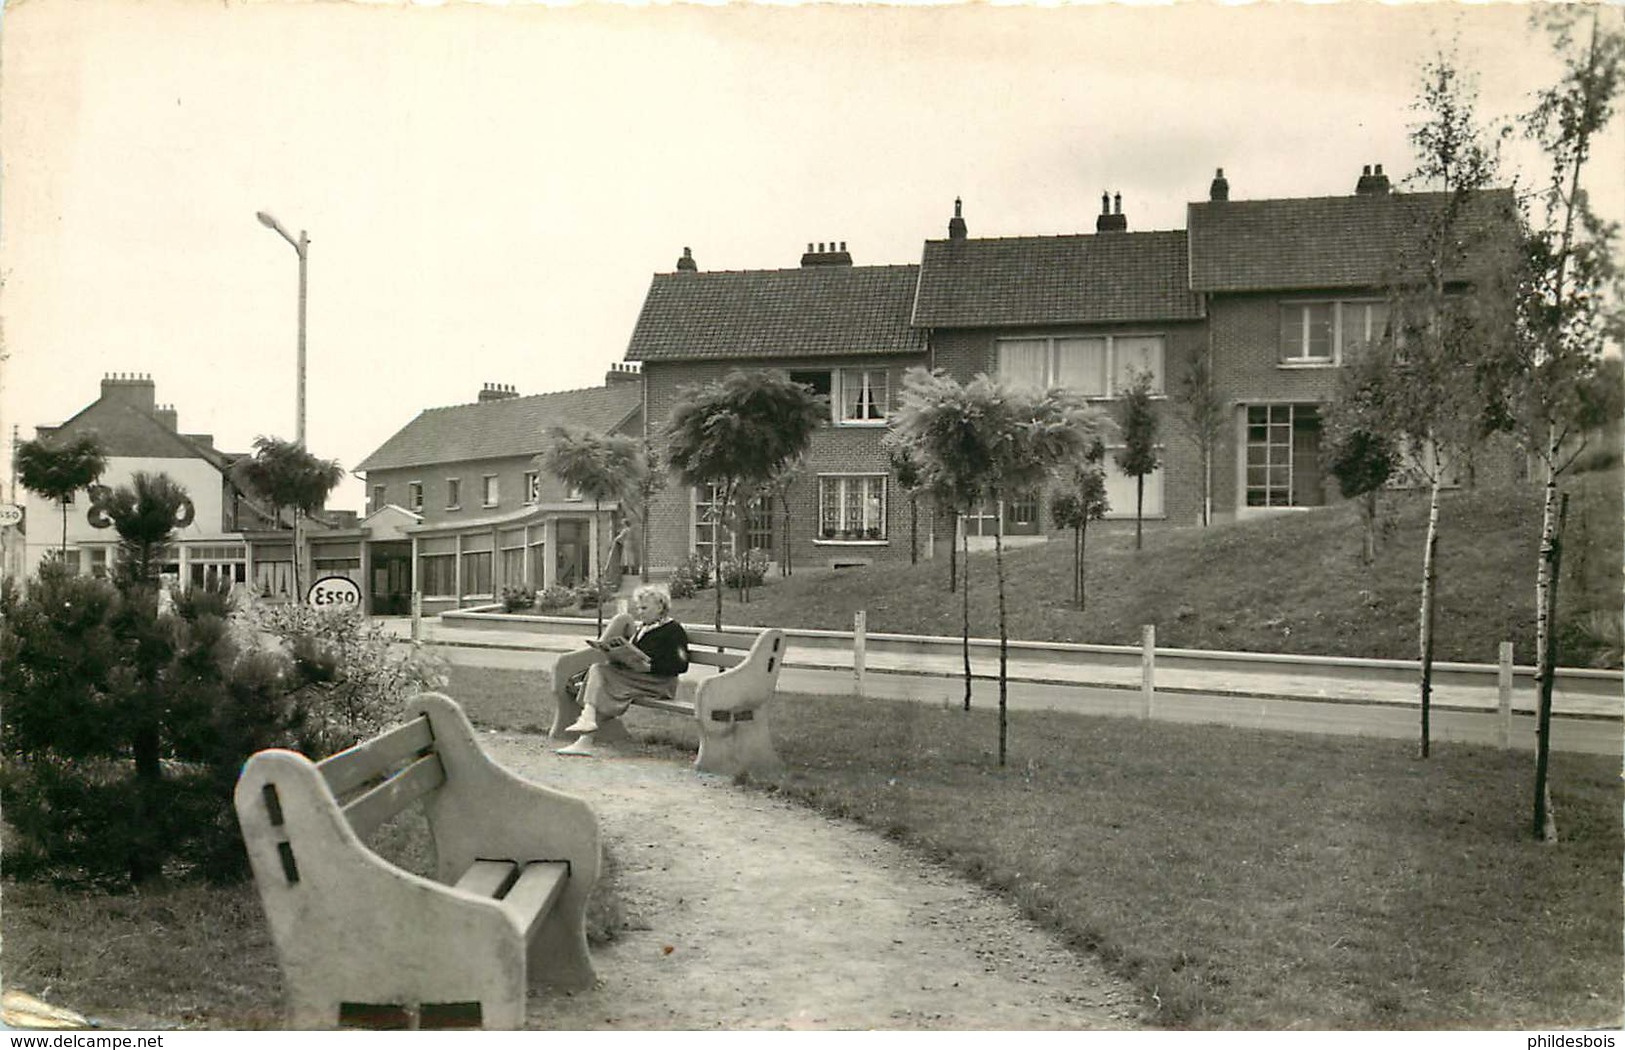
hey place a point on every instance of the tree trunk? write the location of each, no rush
(144, 863)
(597, 588)
(1077, 565)
(785, 568)
(1368, 508)
(953, 556)
(1207, 484)
(643, 545)
(914, 530)
(1083, 587)
(964, 594)
(1553, 515)
(1430, 552)
(1139, 505)
(1004, 636)
(64, 531)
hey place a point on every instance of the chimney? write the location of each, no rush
(1372, 183)
(1219, 189)
(497, 392)
(687, 264)
(130, 388)
(168, 417)
(623, 372)
(1110, 221)
(828, 255)
(956, 225)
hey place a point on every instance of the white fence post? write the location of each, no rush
(417, 617)
(1505, 682)
(1148, 668)
(860, 644)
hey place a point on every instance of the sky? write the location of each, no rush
(489, 188)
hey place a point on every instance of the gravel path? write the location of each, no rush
(745, 911)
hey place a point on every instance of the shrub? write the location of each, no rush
(95, 676)
(747, 571)
(555, 597)
(694, 574)
(517, 599)
(591, 596)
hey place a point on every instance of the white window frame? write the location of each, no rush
(490, 490)
(454, 493)
(1052, 365)
(414, 496)
(843, 492)
(1342, 311)
(533, 487)
(866, 378)
(378, 492)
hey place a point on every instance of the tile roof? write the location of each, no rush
(814, 310)
(1319, 242)
(503, 428)
(1078, 278)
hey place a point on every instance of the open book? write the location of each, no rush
(622, 652)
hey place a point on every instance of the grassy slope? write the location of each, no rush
(1292, 583)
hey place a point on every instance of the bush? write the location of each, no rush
(518, 599)
(747, 571)
(694, 574)
(590, 596)
(124, 727)
(555, 597)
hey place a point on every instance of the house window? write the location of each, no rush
(377, 497)
(533, 488)
(414, 495)
(454, 493)
(490, 490)
(852, 507)
(1320, 333)
(573, 494)
(862, 395)
(821, 381)
(477, 572)
(710, 523)
(1283, 456)
(437, 575)
(98, 563)
(1094, 366)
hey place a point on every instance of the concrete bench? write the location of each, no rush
(365, 943)
(731, 708)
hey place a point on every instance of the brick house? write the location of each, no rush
(843, 330)
(228, 539)
(458, 508)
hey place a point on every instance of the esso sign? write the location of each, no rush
(10, 514)
(334, 592)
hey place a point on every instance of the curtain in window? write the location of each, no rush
(1080, 366)
(1024, 362)
(1139, 353)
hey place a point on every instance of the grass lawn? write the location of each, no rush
(1203, 588)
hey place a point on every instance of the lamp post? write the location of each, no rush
(302, 247)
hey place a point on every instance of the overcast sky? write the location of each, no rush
(488, 189)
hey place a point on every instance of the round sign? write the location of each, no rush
(10, 514)
(334, 592)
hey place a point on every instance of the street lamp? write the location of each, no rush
(302, 246)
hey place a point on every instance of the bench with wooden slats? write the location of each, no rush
(363, 942)
(731, 707)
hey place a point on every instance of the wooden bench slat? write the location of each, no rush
(370, 809)
(538, 887)
(726, 639)
(488, 878)
(348, 770)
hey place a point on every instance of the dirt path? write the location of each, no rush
(750, 912)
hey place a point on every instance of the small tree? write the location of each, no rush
(651, 480)
(739, 432)
(1137, 416)
(909, 479)
(602, 467)
(1563, 314)
(1356, 446)
(1201, 411)
(1080, 501)
(290, 478)
(56, 469)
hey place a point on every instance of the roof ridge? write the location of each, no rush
(689, 275)
(1114, 235)
(519, 397)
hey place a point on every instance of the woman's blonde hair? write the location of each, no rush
(656, 592)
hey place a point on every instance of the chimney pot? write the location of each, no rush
(1219, 189)
(956, 225)
(1117, 204)
(687, 263)
(1105, 203)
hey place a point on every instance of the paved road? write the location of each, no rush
(1399, 721)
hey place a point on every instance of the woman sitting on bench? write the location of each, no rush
(645, 657)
